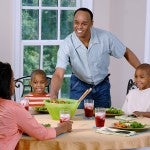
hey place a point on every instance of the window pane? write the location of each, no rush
(68, 70)
(49, 24)
(30, 2)
(65, 88)
(68, 3)
(30, 24)
(66, 23)
(31, 59)
(51, 3)
(49, 59)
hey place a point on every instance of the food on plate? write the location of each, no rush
(132, 125)
(41, 108)
(46, 125)
(113, 110)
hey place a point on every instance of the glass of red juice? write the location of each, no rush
(100, 115)
(64, 116)
(88, 108)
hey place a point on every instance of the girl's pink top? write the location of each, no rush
(14, 120)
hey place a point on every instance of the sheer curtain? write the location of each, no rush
(147, 34)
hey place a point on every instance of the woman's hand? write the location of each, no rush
(67, 125)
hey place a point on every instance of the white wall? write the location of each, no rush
(6, 40)
(124, 18)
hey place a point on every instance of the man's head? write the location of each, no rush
(83, 21)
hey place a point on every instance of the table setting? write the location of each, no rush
(92, 128)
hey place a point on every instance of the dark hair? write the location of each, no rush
(5, 80)
(38, 71)
(86, 10)
(145, 67)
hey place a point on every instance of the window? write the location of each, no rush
(40, 26)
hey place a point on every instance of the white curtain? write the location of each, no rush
(147, 34)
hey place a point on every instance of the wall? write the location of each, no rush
(124, 18)
(127, 22)
(6, 37)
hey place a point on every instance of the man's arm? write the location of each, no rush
(56, 82)
(131, 58)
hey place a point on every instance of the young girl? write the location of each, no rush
(138, 100)
(14, 119)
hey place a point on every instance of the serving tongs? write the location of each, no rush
(84, 94)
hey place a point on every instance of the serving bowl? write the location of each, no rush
(54, 107)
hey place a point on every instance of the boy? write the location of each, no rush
(38, 83)
(138, 100)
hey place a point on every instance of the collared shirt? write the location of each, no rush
(90, 64)
(14, 120)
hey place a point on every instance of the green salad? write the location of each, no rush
(46, 125)
(135, 124)
(132, 125)
(113, 110)
(41, 108)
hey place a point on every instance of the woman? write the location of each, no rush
(15, 120)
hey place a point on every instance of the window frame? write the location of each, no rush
(18, 43)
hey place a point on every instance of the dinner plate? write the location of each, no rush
(125, 118)
(42, 111)
(112, 115)
(147, 127)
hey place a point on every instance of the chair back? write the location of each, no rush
(23, 87)
(131, 85)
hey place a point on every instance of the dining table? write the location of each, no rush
(84, 136)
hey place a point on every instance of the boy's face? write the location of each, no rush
(142, 79)
(38, 84)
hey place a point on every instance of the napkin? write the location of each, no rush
(111, 131)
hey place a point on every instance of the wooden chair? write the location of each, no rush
(131, 85)
(23, 87)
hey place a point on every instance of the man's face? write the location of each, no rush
(82, 24)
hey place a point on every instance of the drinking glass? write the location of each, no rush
(24, 102)
(100, 115)
(88, 107)
(64, 115)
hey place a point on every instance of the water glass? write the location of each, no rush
(24, 102)
(100, 115)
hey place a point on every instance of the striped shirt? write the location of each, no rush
(37, 100)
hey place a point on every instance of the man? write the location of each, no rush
(88, 51)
